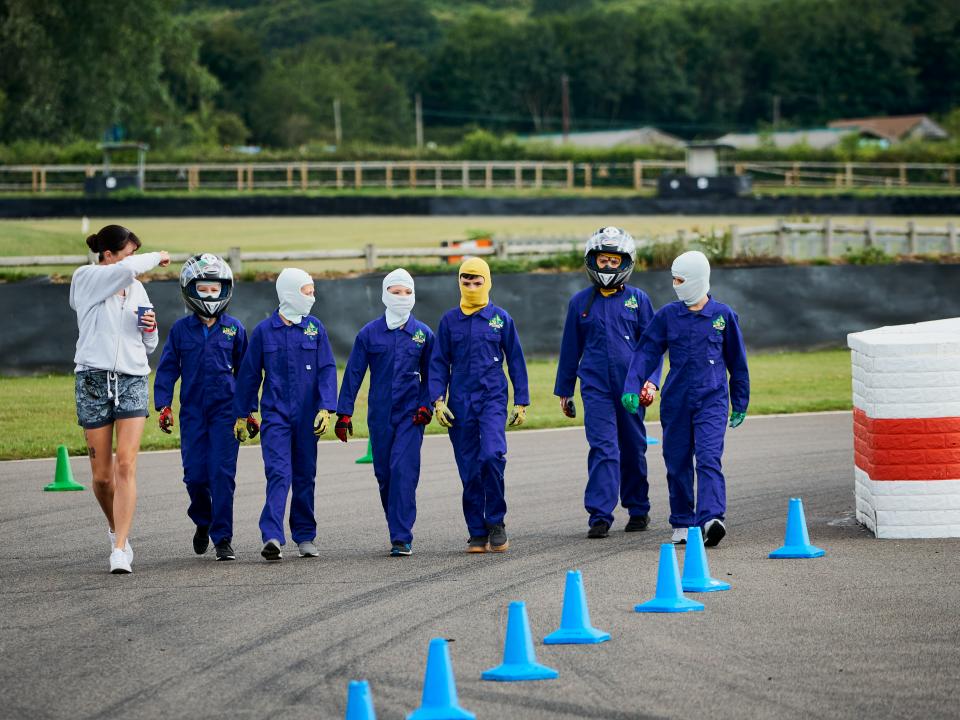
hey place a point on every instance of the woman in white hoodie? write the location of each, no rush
(118, 329)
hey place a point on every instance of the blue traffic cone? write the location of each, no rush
(796, 541)
(669, 597)
(359, 701)
(575, 627)
(652, 441)
(696, 574)
(439, 701)
(519, 661)
(368, 458)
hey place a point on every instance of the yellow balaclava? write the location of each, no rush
(474, 299)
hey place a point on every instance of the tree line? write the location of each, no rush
(228, 72)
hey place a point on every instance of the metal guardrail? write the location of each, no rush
(474, 175)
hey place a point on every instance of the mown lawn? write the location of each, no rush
(37, 413)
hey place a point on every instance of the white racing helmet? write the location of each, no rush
(206, 268)
(612, 241)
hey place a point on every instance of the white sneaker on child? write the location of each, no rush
(119, 563)
(679, 536)
(128, 551)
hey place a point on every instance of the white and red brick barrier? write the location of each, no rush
(906, 429)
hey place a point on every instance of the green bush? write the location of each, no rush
(870, 255)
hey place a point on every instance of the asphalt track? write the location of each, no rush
(870, 630)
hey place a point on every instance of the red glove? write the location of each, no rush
(253, 427)
(166, 420)
(343, 427)
(648, 394)
(422, 416)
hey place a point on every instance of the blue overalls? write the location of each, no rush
(703, 347)
(296, 366)
(600, 336)
(399, 362)
(468, 357)
(206, 361)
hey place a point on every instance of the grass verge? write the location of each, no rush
(37, 413)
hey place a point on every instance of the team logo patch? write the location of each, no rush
(631, 303)
(230, 331)
(419, 337)
(496, 322)
(719, 323)
(310, 330)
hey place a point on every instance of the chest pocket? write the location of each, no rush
(714, 346)
(308, 354)
(491, 347)
(458, 345)
(225, 355)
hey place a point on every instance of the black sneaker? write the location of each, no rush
(599, 529)
(498, 538)
(271, 551)
(713, 532)
(477, 544)
(401, 549)
(224, 550)
(637, 523)
(201, 540)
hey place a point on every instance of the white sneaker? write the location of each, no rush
(308, 549)
(679, 536)
(126, 548)
(118, 562)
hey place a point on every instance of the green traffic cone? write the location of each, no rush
(63, 477)
(368, 458)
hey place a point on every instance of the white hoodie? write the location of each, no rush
(110, 338)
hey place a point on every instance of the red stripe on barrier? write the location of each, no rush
(907, 448)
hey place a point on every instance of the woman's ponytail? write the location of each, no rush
(113, 238)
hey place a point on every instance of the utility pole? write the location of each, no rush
(418, 110)
(337, 128)
(776, 111)
(565, 100)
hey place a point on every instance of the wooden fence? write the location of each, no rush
(782, 239)
(473, 175)
(370, 254)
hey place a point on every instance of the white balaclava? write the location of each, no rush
(293, 303)
(398, 306)
(694, 269)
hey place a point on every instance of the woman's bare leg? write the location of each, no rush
(129, 432)
(100, 450)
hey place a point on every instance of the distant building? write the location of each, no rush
(630, 137)
(818, 139)
(894, 129)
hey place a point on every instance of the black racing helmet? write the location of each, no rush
(611, 241)
(206, 268)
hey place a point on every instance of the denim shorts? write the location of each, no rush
(103, 397)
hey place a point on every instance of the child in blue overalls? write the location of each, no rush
(397, 349)
(290, 355)
(473, 340)
(705, 343)
(204, 351)
(603, 326)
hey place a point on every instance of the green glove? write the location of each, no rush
(631, 401)
(737, 418)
